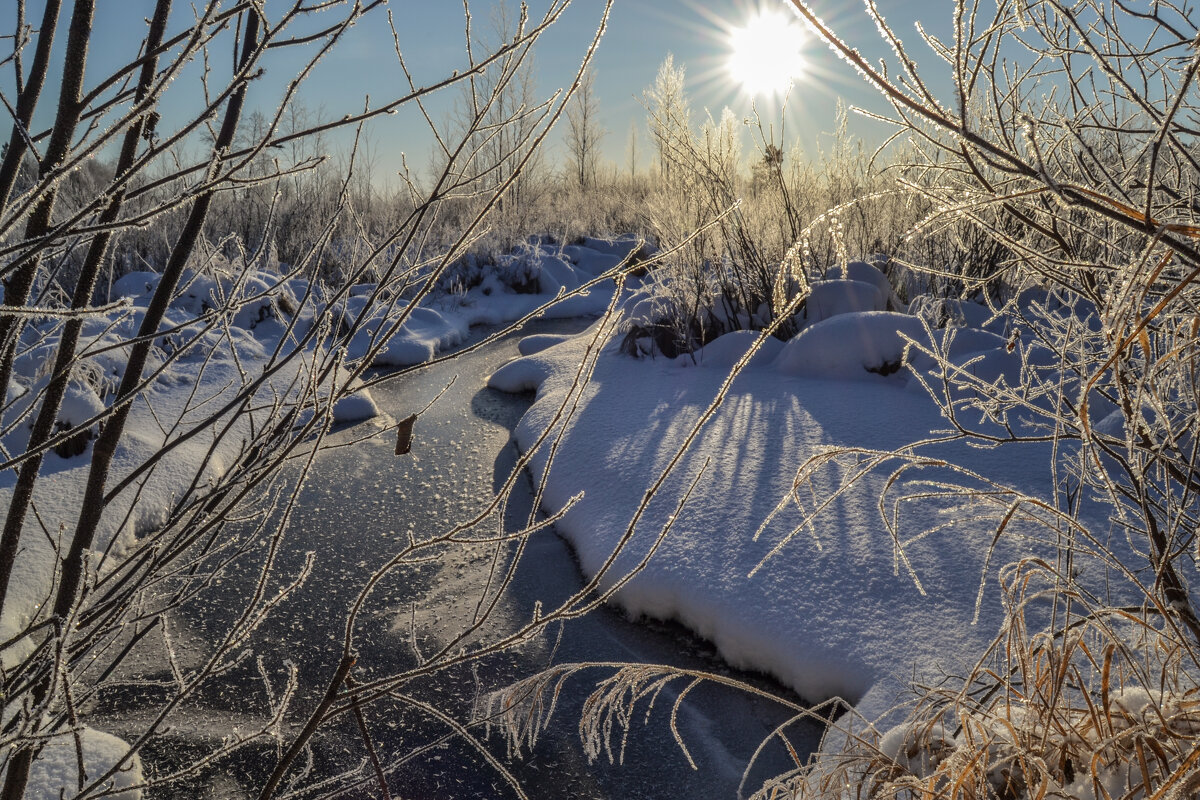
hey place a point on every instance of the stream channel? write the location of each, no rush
(353, 513)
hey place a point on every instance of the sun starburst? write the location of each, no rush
(766, 55)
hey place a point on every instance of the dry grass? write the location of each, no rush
(1107, 707)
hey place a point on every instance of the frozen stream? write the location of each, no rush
(353, 514)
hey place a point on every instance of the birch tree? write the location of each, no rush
(584, 133)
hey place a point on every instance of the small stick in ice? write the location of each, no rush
(404, 435)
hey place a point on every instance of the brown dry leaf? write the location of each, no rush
(1144, 341)
(404, 435)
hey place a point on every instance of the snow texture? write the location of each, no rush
(828, 606)
(55, 774)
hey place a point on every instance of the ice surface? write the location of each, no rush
(219, 363)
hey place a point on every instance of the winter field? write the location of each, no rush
(911, 433)
(802, 523)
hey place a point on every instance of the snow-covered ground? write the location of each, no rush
(830, 604)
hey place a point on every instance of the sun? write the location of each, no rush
(766, 57)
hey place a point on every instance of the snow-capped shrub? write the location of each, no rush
(831, 298)
(517, 271)
(80, 403)
(654, 325)
(851, 345)
(1105, 711)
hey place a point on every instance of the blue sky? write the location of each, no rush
(641, 33)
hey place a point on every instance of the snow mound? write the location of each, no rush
(850, 345)
(620, 246)
(512, 287)
(725, 351)
(957, 345)
(555, 274)
(539, 342)
(868, 273)
(520, 375)
(355, 407)
(590, 262)
(833, 298)
(419, 339)
(135, 284)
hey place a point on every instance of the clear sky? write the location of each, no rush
(641, 33)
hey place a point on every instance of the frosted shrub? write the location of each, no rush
(1090, 688)
(738, 244)
(180, 332)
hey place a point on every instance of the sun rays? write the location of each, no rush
(765, 57)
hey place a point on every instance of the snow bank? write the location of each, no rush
(502, 292)
(827, 605)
